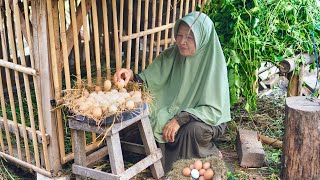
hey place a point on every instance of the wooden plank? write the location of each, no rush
(115, 154)
(28, 130)
(150, 146)
(143, 164)
(97, 155)
(89, 148)
(41, 57)
(93, 173)
(79, 151)
(132, 147)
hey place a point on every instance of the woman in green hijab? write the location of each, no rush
(190, 85)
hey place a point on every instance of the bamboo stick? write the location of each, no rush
(181, 9)
(186, 10)
(55, 18)
(11, 96)
(64, 44)
(76, 43)
(55, 71)
(130, 12)
(193, 5)
(144, 50)
(147, 32)
(174, 16)
(5, 119)
(86, 42)
(96, 40)
(116, 35)
(27, 165)
(2, 142)
(153, 24)
(28, 29)
(121, 29)
(27, 85)
(106, 37)
(6, 57)
(136, 57)
(17, 67)
(159, 25)
(167, 22)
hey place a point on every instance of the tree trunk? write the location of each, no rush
(301, 144)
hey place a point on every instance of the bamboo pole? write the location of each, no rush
(106, 38)
(26, 82)
(96, 40)
(153, 24)
(130, 14)
(147, 32)
(11, 36)
(186, 10)
(17, 67)
(116, 35)
(181, 8)
(167, 22)
(174, 16)
(27, 165)
(1, 141)
(159, 25)
(64, 44)
(55, 18)
(37, 92)
(136, 57)
(86, 42)
(144, 50)
(193, 5)
(55, 71)
(76, 43)
(121, 29)
(6, 57)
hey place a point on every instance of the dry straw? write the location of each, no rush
(217, 165)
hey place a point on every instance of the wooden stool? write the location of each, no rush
(152, 159)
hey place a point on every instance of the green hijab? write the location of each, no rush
(197, 84)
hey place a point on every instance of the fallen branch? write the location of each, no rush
(270, 141)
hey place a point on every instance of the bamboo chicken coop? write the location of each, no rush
(50, 46)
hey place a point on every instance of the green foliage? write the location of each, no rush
(255, 31)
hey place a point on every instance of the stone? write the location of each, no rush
(249, 149)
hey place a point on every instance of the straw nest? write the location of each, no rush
(99, 102)
(217, 165)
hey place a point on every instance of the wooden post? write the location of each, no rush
(301, 144)
(41, 57)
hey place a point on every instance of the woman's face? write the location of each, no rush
(185, 40)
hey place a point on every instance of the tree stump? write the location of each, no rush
(301, 144)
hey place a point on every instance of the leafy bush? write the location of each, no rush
(255, 31)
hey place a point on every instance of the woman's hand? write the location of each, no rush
(126, 74)
(170, 130)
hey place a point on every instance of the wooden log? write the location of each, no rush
(288, 65)
(301, 144)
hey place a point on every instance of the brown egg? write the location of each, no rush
(206, 165)
(191, 166)
(97, 112)
(201, 178)
(186, 171)
(107, 85)
(208, 174)
(201, 172)
(197, 164)
(97, 89)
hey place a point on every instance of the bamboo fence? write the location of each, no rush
(56, 45)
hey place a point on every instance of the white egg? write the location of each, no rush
(195, 173)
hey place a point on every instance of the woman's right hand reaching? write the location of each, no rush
(126, 74)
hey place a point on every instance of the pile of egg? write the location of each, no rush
(199, 170)
(107, 100)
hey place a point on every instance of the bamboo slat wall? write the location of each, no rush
(82, 41)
